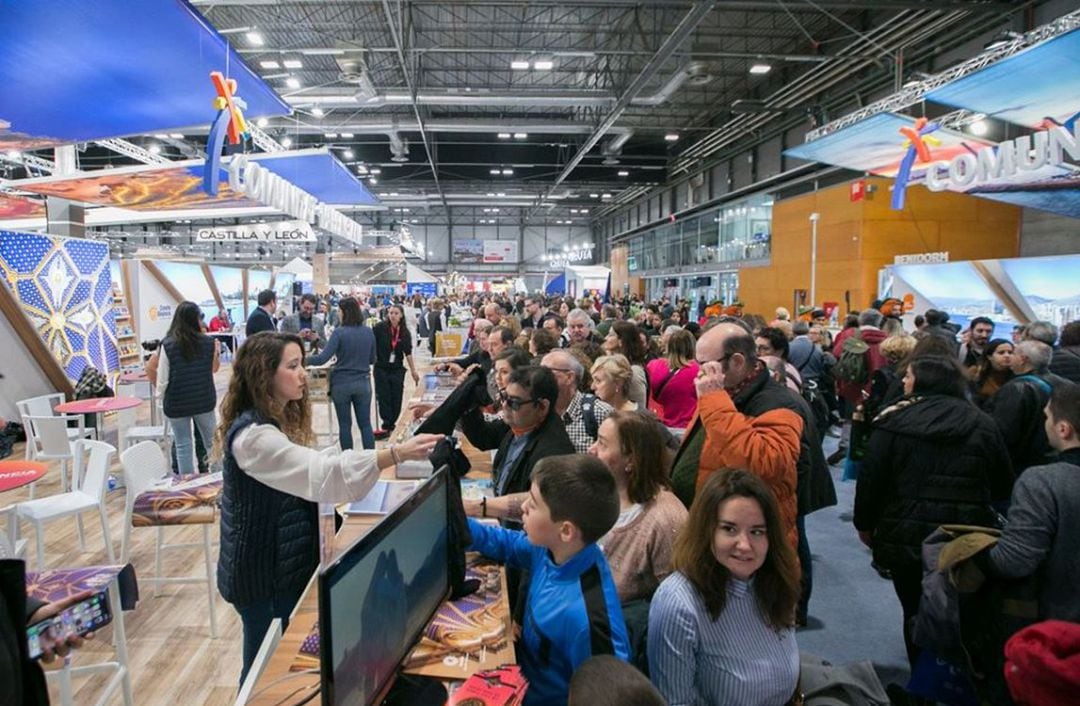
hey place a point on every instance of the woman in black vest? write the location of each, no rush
(393, 348)
(184, 371)
(273, 482)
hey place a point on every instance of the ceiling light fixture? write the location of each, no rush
(155, 149)
(286, 142)
(519, 65)
(979, 128)
(262, 122)
(376, 170)
(623, 173)
(176, 135)
(672, 137)
(331, 135)
(292, 64)
(504, 136)
(543, 64)
(318, 112)
(493, 172)
(348, 154)
(521, 135)
(373, 181)
(760, 69)
(292, 82)
(594, 196)
(347, 136)
(605, 196)
(508, 172)
(269, 64)
(255, 39)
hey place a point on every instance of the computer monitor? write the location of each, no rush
(376, 598)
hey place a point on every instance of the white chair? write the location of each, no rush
(158, 433)
(146, 469)
(91, 470)
(45, 406)
(50, 439)
(11, 547)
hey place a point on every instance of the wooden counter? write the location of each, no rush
(279, 686)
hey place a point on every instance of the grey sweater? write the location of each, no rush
(1043, 535)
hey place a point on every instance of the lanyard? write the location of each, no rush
(395, 336)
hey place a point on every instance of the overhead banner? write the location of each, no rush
(500, 251)
(60, 60)
(276, 232)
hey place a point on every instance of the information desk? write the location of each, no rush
(481, 640)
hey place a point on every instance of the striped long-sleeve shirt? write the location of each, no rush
(736, 660)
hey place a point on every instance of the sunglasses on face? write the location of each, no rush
(514, 403)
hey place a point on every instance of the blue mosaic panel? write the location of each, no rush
(64, 287)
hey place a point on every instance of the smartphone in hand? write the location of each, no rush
(84, 617)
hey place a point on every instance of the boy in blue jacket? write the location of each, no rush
(572, 611)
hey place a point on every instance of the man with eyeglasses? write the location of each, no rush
(745, 419)
(582, 413)
(529, 430)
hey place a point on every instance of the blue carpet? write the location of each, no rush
(854, 613)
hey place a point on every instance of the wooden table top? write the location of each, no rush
(276, 686)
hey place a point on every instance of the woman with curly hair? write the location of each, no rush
(273, 482)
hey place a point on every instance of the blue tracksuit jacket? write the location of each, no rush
(572, 612)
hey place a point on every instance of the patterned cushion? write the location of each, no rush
(171, 506)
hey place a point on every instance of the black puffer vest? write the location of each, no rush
(191, 382)
(269, 539)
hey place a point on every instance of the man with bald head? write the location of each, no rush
(582, 413)
(493, 313)
(745, 419)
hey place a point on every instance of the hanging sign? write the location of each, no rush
(277, 232)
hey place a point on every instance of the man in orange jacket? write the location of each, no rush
(745, 419)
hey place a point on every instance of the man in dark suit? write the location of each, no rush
(529, 430)
(262, 319)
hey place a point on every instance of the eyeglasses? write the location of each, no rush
(514, 403)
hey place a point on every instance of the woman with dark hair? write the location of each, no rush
(183, 370)
(350, 382)
(393, 348)
(721, 628)
(640, 546)
(626, 338)
(273, 480)
(993, 371)
(933, 458)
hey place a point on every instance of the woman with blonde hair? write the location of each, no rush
(611, 378)
(273, 482)
(672, 380)
(722, 627)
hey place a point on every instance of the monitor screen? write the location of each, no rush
(377, 597)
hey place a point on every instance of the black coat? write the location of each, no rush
(549, 439)
(258, 321)
(1018, 410)
(815, 488)
(1066, 363)
(22, 682)
(931, 461)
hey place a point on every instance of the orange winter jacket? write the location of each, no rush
(767, 445)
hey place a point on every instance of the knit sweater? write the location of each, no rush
(735, 659)
(639, 553)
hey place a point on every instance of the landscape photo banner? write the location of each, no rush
(500, 251)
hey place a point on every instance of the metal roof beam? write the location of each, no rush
(685, 28)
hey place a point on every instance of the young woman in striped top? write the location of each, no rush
(721, 628)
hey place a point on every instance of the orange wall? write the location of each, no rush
(620, 272)
(856, 239)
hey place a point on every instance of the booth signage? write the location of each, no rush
(1002, 162)
(259, 183)
(277, 232)
(922, 258)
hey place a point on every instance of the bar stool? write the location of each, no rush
(153, 502)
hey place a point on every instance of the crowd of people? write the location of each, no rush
(653, 470)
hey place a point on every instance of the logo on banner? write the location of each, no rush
(278, 232)
(918, 148)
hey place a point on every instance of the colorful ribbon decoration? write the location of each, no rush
(918, 145)
(229, 122)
